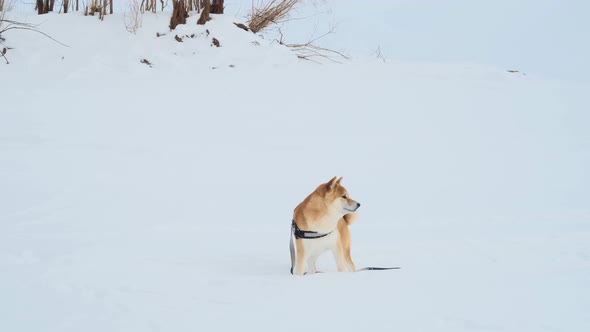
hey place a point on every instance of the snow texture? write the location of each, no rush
(138, 198)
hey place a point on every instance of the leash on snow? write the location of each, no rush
(294, 235)
(374, 268)
(370, 268)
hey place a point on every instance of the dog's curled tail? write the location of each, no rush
(350, 218)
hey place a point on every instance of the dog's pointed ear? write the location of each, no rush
(331, 184)
(338, 181)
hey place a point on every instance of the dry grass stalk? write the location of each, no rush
(312, 52)
(274, 11)
(7, 25)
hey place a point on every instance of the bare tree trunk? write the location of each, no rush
(77, 7)
(111, 7)
(217, 7)
(51, 5)
(66, 4)
(42, 6)
(179, 14)
(205, 13)
(103, 10)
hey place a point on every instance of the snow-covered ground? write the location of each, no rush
(137, 198)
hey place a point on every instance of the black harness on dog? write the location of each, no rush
(297, 233)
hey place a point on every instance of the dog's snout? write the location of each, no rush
(358, 205)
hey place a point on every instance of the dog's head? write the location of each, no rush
(337, 198)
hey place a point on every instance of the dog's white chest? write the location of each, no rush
(315, 247)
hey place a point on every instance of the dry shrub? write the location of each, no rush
(134, 18)
(273, 11)
(312, 52)
(92, 7)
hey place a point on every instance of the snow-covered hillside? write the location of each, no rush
(138, 198)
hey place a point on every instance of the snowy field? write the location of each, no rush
(137, 198)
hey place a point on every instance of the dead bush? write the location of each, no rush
(265, 14)
(133, 19)
(312, 52)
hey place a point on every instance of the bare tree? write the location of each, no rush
(205, 13)
(179, 14)
(103, 12)
(40, 6)
(6, 6)
(217, 7)
(148, 5)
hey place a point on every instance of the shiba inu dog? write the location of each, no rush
(320, 223)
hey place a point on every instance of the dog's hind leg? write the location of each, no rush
(311, 267)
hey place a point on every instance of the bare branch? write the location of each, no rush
(311, 51)
(14, 25)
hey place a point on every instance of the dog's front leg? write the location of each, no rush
(300, 259)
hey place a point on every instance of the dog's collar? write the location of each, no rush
(299, 234)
